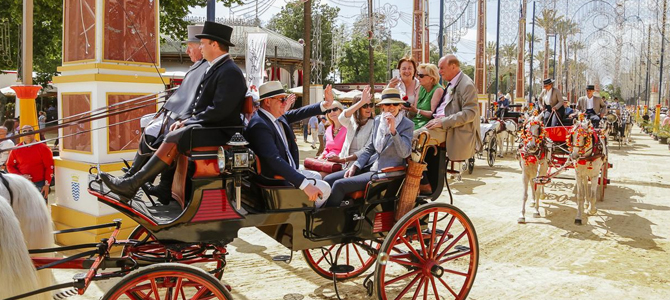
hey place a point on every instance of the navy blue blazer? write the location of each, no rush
(266, 142)
(220, 96)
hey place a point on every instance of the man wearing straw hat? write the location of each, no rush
(272, 140)
(219, 97)
(551, 99)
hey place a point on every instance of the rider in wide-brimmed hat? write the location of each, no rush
(551, 102)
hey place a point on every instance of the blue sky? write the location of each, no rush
(349, 9)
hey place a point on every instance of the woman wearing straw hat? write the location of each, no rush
(390, 144)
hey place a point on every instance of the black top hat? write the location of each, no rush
(216, 32)
(590, 87)
(548, 81)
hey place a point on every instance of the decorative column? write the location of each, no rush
(110, 55)
(28, 113)
(480, 58)
(521, 56)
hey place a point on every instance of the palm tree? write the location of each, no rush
(548, 22)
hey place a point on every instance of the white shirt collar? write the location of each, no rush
(268, 114)
(454, 80)
(211, 63)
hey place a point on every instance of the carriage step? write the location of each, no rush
(284, 258)
(341, 269)
(462, 248)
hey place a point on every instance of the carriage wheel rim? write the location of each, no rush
(175, 284)
(353, 255)
(430, 265)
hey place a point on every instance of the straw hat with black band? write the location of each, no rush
(270, 89)
(390, 96)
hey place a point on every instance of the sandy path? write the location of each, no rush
(620, 253)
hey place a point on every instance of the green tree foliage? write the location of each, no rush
(290, 23)
(48, 30)
(355, 64)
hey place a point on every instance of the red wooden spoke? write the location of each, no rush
(324, 254)
(455, 257)
(412, 249)
(406, 263)
(154, 288)
(455, 272)
(452, 244)
(432, 236)
(178, 288)
(406, 289)
(394, 280)
(425, 290)
(359, 255)
(446, 233)
(448, 288)
(432, 281)
(418, 288)
(420, 238)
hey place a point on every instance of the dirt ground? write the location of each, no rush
(620, 253)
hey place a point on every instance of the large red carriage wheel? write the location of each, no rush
(440, 263)
(154, 249)
(321, 259)
(169, 281)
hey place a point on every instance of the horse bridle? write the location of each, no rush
(6, 183)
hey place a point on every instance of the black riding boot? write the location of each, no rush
(142, 156)
(163, 191)
(127, 188)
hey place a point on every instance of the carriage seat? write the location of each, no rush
(390, 172)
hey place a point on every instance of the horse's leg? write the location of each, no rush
(536, 190)
(581, 190)
(525, 178)
(593, 188)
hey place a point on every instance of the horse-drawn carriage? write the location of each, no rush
(579, 147)
(430, 252)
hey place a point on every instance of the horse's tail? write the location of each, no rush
(17, 272)
(34, 218)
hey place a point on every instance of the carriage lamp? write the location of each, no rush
(239, 159)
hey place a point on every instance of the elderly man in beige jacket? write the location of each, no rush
(551, 100)
(456, 118)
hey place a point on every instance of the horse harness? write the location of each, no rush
(6, 183)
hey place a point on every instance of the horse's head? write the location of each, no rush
(580, 139)
(532, 137)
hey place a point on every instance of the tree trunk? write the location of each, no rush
(546, 57)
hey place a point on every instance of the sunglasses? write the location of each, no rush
(331, 110)
(390, 104)
(369, 105)
(26, 131)
(421, 75)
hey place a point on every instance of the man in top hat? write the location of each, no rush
(175, 108)
(551, 102)
(592, 105)
(272, 140)
(456, 118)
(219, 97)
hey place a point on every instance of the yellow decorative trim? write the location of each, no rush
(83, 166)
(80, 67)
(75, 62)
(77, 151)
(107, 77)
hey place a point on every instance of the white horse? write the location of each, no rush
(588, 155)
(17, 272)
(33, 215)
(534, 162)
(506, 134)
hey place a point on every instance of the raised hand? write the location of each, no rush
(328, 95)
(366, 97)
